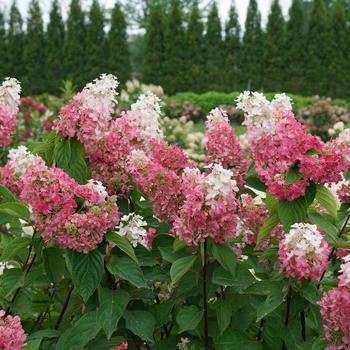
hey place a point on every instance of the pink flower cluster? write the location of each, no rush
(303, 252)
(12, 336)
(52, 195)
(223, 146)
(161, 185)
(122, 346)
(9, 101)
(278, 141)
(209, 206)
(252, 216)
(335, 314)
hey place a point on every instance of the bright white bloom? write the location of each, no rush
(145, 112)
(282, 102)
(20, 159)
(26, 230)
(105, 87)
(10, 91)
(4, 266)
(132, 227)
(303, 239)
(331, 132)
(261, 114)
(339, 126)
(219, 182)
(216, 116)
(98, 187)
(183, 344)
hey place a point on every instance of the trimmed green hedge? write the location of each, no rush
(212, 99)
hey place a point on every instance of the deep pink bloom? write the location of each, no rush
(12, 336)
(223, 146)
(335, 314)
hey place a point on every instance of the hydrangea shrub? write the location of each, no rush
(112, 238)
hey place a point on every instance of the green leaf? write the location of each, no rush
(310, 292)
(33, 344)
(123, 244)
(271, 202)
(324, 225)
(6, 195)
(273, 301)
(327, 200)
(235, 340)
(128, 270)
(11, 280)
(78, 335)
(87, 270)
(45, 333)
(69, 155)
(15, 247)
(178, 245)
(293, 174)
(265, 230)
(180, 267)
(15, 209)
(291, 212)
(54, 264)
(223, 314)
(162, 312)
(242, 279)
(141, 323)
(111, 309)
(225, 256)
(188, 318)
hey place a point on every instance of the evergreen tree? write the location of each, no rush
(3, 48)
(118, 49)
(15, 41)
(74, 49)
(214, 73)
(195, 50)
(252, 48)
(96, 60)
(54, 44)
(232, 51)
(294, 59)
(338, 68)
(318, 47)
(34, 81)
(154, 46)
(174, 61)
(274, 50)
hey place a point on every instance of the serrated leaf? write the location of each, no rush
(123, 244)
(15, 209)
(128, 270)
(12, 279)
(54, 263)
(293, 174)
(113, 303)
(324, 225)
(6, 195)
(273, 301)
(14, 247)
(87, 270)
(327, 200)
(265, 230)
(223, 314)
(225, 256)
(78, 335)
(141, 323)
(188, 318)
(180, 267)
(291, 212)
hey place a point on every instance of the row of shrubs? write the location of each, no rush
(209, 100)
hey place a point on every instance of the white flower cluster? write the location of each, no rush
(337, 128)
(303, 239)
(98, 187)
(145, 112)
(4, 265)
(183, 344)
(259, 112)
(105, 87)
(345, 268)
(219, 182)
(132, 227)
(20, 159)
(343, 138)
(10, 91)
(216, 116)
